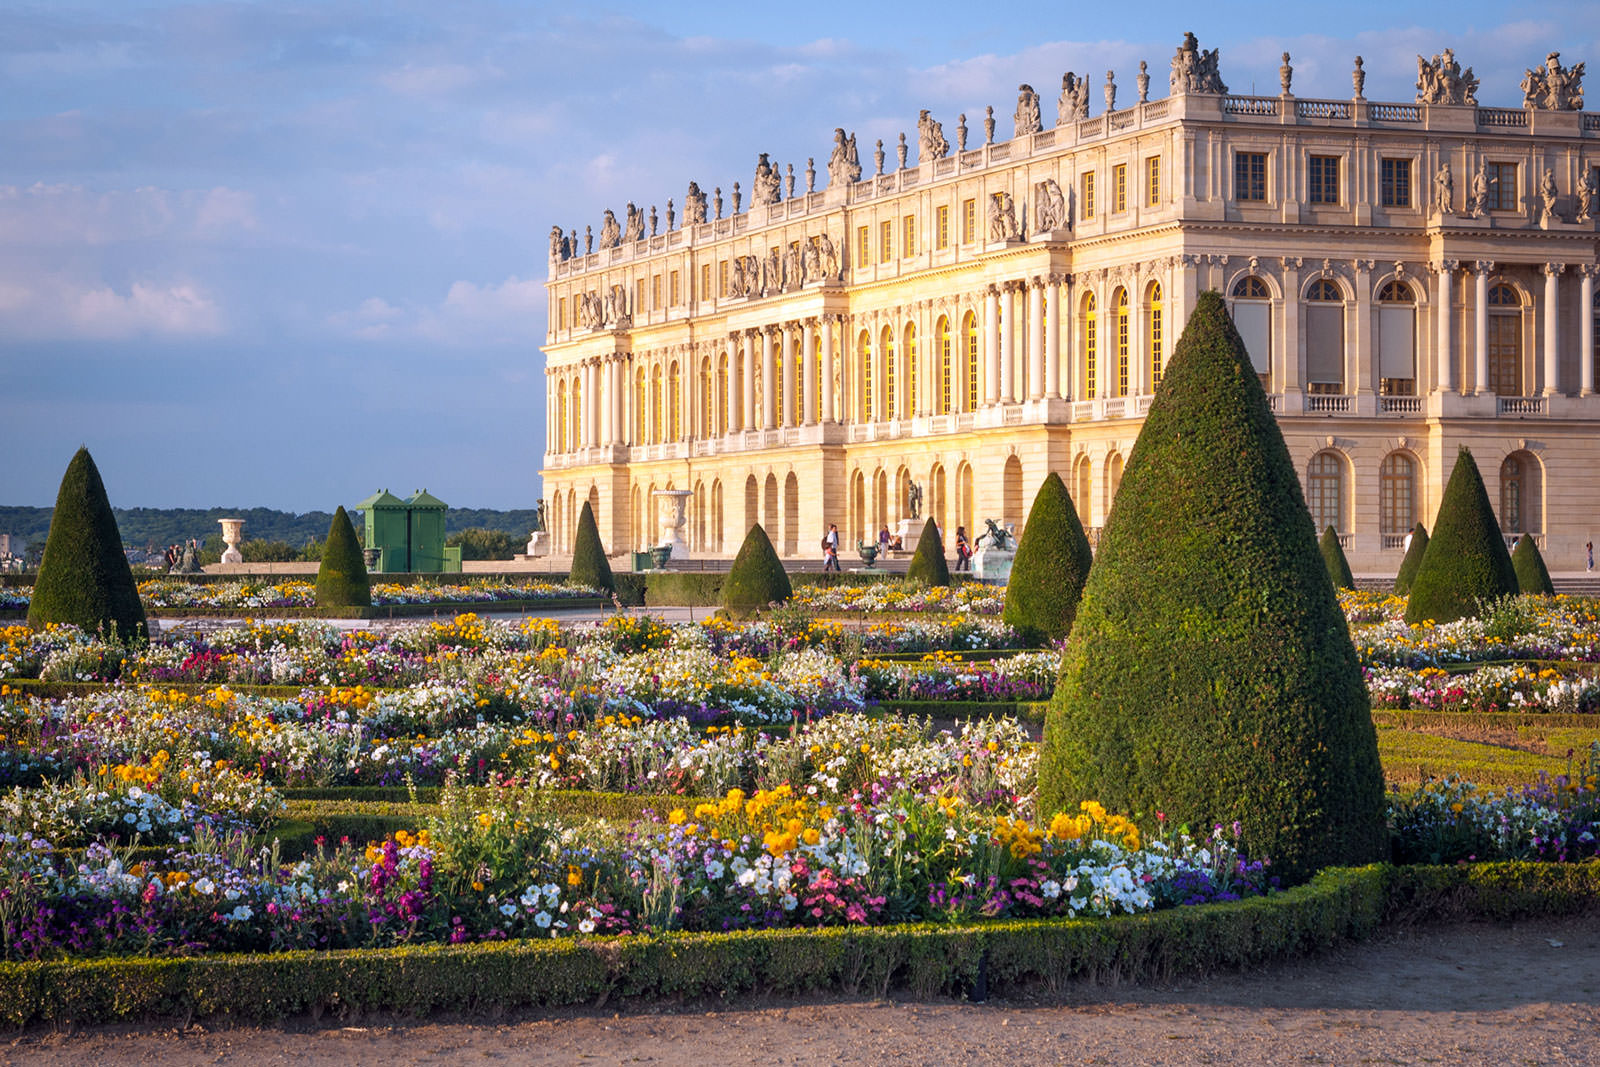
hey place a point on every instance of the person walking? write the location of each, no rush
(830, 548)
(963, 550)
(1588, 551)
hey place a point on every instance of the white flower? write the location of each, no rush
(542, 920)
(586, 926)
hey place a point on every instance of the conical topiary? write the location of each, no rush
(342, 580)
(1466, 561)
(84, 578)
(589, 564)
(1333, 559)
(757, 577)
(928, 565)
(1051, 565)
(1413, 560)
(1210, 673)
(1532, 575)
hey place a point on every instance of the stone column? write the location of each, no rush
(688, 386)
(747, 370)
(791, 377)
(735, 382)
(808, 373)
(603, 399)
(1037, 339)
(769, 380)
(549, 411)
(1052, 339)
(1444, 355)
(1361, 374)
(991, 345)
(1480, 325)
(1586, 332)
(828, 370)
(619, 399)
(1292, 357)
(1552, 327)
(1009, 307)
(590, 406)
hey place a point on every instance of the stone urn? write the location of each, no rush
(659, 556)
(674, 521)
(232, 534)
(869, 553)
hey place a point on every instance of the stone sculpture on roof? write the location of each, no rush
(1553, 87)
(930, 138)
(558, 245)
(694, 205)
(1442, 81)
(634, 229)
(610, 232)
(1027, 115)
(1194, 71)
(844, 165)
(1073, 103)
(766, 188)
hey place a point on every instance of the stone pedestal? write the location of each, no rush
(674, 521)
(538, 544)
(910, 532)
(992, 564)
(232, 534)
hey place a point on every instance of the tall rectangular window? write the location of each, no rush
(863, 246)
(1152, 181)
(722, 278)
(1249, 175)
(561, 313)
(638, 296)
(1088, 195)
(969, 221)
(1395, 182)
(705, 281)
(655, 291)
(1322, 180)
(1119, 188)
(908, 237)
(1502, 186)
(675, 295)
(941, 227)
(885, 240)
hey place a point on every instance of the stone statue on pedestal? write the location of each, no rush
(1442, 81)
(1026, 118)
(844, 166)
(1553, 87)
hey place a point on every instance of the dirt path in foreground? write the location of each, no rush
(1527, 994)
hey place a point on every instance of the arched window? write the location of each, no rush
(778, 397)
(970, 330)
(937, 500)
(1252, 317)
(1511, 515)
(1325, 492)
(822, 383)
(908, 359)
(1152, 332)
(561, 416)
(891, 376)
(577, 414)
(640, 395)
(704, 420)
(864, 377)
(1090, 343)
(655, 406)
(722, 394)
(1119, 300)
(1324, 337)
(674, 404)
(1505, 341)
(944, 367)
(1084, 480)
(1113, 480)
(1397, 340)
(1397, 510)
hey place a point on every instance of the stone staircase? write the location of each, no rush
(1576, 584)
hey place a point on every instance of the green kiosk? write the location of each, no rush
(408, 535)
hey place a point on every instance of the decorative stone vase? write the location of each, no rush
(869, 553)
(232, 534)
(659, 556)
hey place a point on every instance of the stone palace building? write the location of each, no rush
(1408, 277)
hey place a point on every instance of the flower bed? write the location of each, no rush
(254, 595)
(902, 596)
(1516, 628)
(1499, 688)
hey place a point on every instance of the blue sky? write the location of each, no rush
(280, 255)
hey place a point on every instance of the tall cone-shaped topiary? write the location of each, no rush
(589, 564)
(1528, 563)
(1210, 673)
(1333, 559)
(757, 577)
(1408, 566)
(84, 578)
(342, 580)
(1466, 561)
(1051, 565)
(928, 565)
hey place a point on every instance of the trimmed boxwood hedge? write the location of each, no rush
(1050, 567)
(84, 579)
(590, 566)
(342, 580)
(1333, 559)
(1466, 561)
(1210, 672)
(756, 579)
(1413, 560)
(1528, 563)
(928, 564)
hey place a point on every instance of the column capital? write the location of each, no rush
(1363, 266)
(771, 330)
(991, 290)
(1554, 269)
(1483, 266)
(1292, 262)
(1444, 266)
(811, 321)
(1217, 259)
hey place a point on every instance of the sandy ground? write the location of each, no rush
(1524, 994)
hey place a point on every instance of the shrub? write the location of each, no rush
(1466, 561)
(1051, 565)
(84, 578)
(342, 580)
(1333, 559)
(928, 564)
(1210, 673)
(1528, 564)
(589, 564)
(1409, 565)
(757, 577)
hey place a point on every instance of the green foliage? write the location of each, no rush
(478, 543)
(683, 588)
(260, 551)
(589, 564)
(342, 580)
(1333, 559)
(757, 578)
(1051, 565)
(1413, 560)
(1466, 561)
(928, 564)
(84, 578)
(1528, 564)
(1210, 673)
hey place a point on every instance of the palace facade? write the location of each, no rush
(1408, 277)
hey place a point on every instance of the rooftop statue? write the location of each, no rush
(610, 232)
(694, 205)
(1027, 115)
(1553, 87)
(558, 245)
(634, 230)
(1073, 103)
(765, 189)
(930, 138)
(1194, 71)
(1442, 81)
(844, 165)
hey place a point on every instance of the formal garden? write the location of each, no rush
(1192, 750)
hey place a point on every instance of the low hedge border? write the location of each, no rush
(309, 803)
(950, 709)
(925, 959)
(1409, 719)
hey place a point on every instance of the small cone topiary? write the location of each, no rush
(1532, 575)
(1466, 561)
(757, 577)
(342, 580)
(1333, 558)
(1050, 567)
(84, 578)
(1413, 560)
(1210, 673)
(589, 564)
(928, 565)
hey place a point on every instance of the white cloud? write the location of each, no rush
(54, 308)
(508, 313)
(438, 79)
(62, 216)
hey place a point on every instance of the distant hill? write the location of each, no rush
(166, 526)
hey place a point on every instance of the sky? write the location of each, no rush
(282, 255)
